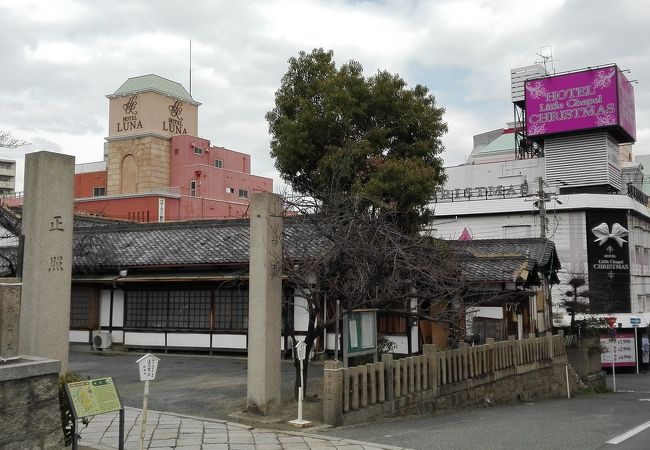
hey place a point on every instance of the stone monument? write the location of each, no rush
(9, 316)
(265, 303)
(47, 257)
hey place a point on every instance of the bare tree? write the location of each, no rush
(347, 249)
(8, 141)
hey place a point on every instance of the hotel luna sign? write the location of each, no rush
(131, 121)
(482, 192)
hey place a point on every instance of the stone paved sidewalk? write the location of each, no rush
(172, 431)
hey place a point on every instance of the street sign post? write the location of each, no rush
(147, 365)
(301, 354)
(635, 322)
(611, 321)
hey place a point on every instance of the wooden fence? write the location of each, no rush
(354, 389)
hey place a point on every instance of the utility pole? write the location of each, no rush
(541, 204)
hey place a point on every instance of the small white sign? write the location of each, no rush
(301, 350)
(148, 365)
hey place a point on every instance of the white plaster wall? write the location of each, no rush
(118, 336)
(79, 336)
(237, 341)
(188, 340)
(118, 307)
(104, 307)
(144, 339)
(300, 314)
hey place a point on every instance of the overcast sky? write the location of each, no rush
(59, 58)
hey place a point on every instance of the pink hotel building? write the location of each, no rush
(156, 169)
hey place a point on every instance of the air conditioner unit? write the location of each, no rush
(102, 340)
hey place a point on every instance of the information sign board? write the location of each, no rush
(635, 321)
(148, 365)
(301, 350)
(92, 397)
(625, 354)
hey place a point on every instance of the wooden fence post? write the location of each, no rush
(372, 383)
(429, 351)
(333, 398)
(387, 359)
(491, 357)
(363, 386)
(549, 343)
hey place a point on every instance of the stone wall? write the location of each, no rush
(29, 405)
(153, 160)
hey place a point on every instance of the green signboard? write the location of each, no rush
(359, 334)
(92, 397)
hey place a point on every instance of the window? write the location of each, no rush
(192, 188)
(218, 164)
(243, 193)
(83, 308)
(231, 309)
(188, 309)
(198, 151)
(230, 190)
(146, 309)
(99, 191)
(5, 178)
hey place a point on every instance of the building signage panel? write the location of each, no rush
(596, 98)
(625, 355)
(482, 192)
(608, 256)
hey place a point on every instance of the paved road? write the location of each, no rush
(214, 387)
(584, 422)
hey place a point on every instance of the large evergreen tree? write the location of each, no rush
(335, 131)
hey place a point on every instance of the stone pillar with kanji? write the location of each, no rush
(264, 304)
(47, 256)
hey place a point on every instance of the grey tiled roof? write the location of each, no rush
(102, 246)
(503, 260)
(195, 244)
(540, 250)
(155, 83)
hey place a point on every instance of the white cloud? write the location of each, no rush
(66, 55)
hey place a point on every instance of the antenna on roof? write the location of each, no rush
(546, 53)
(190, 66)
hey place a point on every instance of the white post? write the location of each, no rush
(614, 364)
(147, 365)
(636, 350)
(143, 425)
(301, 354)
(301, 391)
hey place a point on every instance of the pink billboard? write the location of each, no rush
(595, 98)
